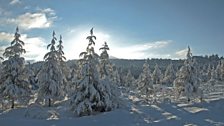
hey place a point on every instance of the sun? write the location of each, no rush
(76, 42)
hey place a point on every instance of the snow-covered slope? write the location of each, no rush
(134, 112)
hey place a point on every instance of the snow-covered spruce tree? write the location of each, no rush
(106, 68)
(157, 75)
(104, 61)
(107, 76)
(209, 72)
(14, 81)
(196, 67)
(169, 76)
(145, 81)
(91, 94)
(116, 76)
(129, 80)
(220, 70)
(122, 77)
(50, 77)
(203, 73)
(187, 81)
(60, 51)
(214, 75)
(63, 65)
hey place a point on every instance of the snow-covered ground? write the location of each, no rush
(134, 112)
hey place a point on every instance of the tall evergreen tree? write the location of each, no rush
(145, 80)
(157, 75)
(63, 65)
(116, 76)
(209, 72)
(214, 75)
(129, 80)
(91, 94)
(220, 70)
(187, 80)
(108, 77)
(203, 73)
(61, 53)
(14, 81)
(104, 61)
(169, 75)
(50, 77)
(106, 68)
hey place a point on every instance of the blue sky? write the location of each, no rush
(134, 29)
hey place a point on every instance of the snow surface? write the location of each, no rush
(134, 112)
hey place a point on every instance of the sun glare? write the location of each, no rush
(76, 42)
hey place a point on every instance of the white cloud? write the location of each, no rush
(47, 11)
(33, 20)
(34, 46)
(181, 54)
(13, 2)
(7, 37)
(141, 51)
(44, 18)
(149, 45)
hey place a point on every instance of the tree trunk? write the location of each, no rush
(49, 102)
(13, 104)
